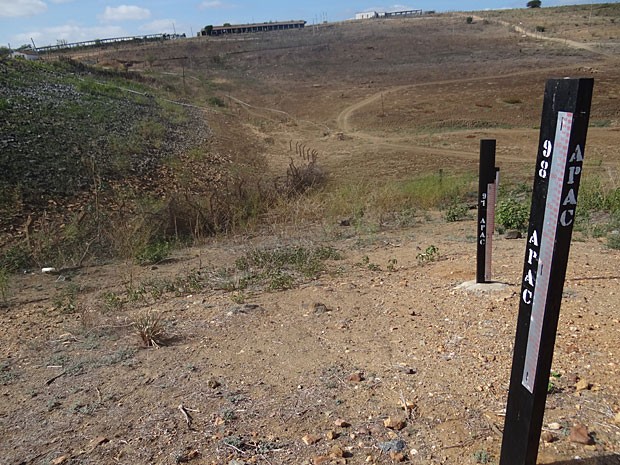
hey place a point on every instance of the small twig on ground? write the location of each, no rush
(51, 380)
(184, 411)
(107, 327)
(186, 416)
(469, 442)
(496, 429)
(233, 447)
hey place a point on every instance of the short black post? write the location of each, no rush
(563, 130)
(486, 177)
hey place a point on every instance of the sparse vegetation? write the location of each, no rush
(397, 202)
(430, 254)
(272, 328)
(456, 212)
(65, 300)
(280, 268)
(613, 240)
(4, 285)
(483, 456)
(153, 252)
(150, 327)
(512, 214)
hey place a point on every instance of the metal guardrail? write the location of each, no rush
(112, 40)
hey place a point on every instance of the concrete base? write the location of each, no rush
(482, 287)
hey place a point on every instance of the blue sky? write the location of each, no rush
(49, 21)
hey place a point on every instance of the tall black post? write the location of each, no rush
(565, 116)
(486, 177)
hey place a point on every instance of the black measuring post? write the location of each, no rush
(565, 116)
(486, 177)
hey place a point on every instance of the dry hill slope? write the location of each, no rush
(373, 355)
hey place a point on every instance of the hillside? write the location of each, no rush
(270, 272)
(85, 148)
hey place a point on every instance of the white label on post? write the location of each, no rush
(554, 166)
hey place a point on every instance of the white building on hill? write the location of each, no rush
(25, 55)
(387, 14)
(367, 15)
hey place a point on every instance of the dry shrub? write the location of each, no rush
(300, 179)
(150, 328)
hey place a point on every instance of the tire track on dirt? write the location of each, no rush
(343, 118)
(569, 42)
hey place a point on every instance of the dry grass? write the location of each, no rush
(150, 327)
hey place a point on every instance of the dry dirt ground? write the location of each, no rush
(381, 358)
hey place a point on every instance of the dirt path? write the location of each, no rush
(568, 42)
(343, 118)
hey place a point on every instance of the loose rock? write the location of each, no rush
(320, 308)
(342, 423)
(579, 434)
(582, 385)
(320, 459)
(356, 377)
(310, 439)
(93, 444)
(396, 445)
(395, 423)
(336, 452)
(548, 437)
(331, 435)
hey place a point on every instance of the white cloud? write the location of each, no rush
(14, 8)
(211, 4)
(160, 26)
(62, 1)
(70, 33)
(400, 8)
(125, 13)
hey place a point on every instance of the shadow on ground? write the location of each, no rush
(605, 460)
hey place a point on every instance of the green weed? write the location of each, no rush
(65, 299)
(482, 456)
(280, 268)
(122, 356)
(512, 214)
(613, 240)
(112, 301)
(366, 263)
(5, 285)
(152, 253)
(7, 374)
(436, 190)
(238, 297)
(397, 202)
(456, 212)
(216, 102)
(431, 254)
(16, 258)
(600, 123)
